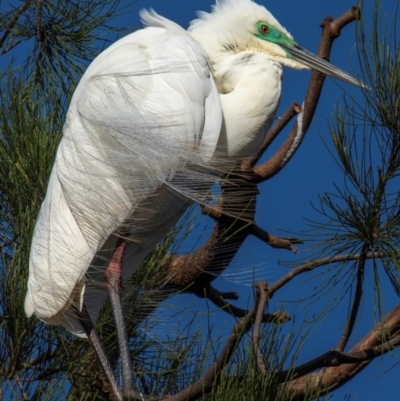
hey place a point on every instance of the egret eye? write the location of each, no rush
(264, 29)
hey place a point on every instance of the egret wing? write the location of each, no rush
(144, 109)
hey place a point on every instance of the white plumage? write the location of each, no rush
(148, 116)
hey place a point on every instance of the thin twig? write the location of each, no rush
(39, 359)
(21, 387)
(19, 11)
(273, 240)
(10, 46)
(356, 303)
(206, 383)
(308, 266)
(263, 299)
(146, 388)
(215, 297)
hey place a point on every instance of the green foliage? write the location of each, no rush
(364, 213)
(36, 90)
(64, 37)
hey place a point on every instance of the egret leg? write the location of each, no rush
(113, 279)
(101, 354)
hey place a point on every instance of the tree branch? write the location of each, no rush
(383, 338)
(263, 299)
(356, 303)
(273, 240)
(308, 266)
(331, 30)
(283, 121)
(204, 265)
(227, 226)
(215, 297)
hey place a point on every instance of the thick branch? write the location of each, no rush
(383, 338)
(213, 251)
(195, 271)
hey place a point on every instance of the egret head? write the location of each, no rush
(235, 26)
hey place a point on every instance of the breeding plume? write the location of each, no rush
(153, 123)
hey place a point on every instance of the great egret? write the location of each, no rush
(149, 117)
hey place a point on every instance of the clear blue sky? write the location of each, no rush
(285, 200)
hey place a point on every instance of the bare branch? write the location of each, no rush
(294, 109)
(356, 303)
(331, 30)
(383, 338)
(273, 240)
(10, 46)
(308, 266)
(215, 297)
(263, 299)
(201, 260)
(200, 267)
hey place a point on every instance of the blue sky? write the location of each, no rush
(285, 200)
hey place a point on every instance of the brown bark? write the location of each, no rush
(384, 337)
(195, 271)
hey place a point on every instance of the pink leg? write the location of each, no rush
(113, 279)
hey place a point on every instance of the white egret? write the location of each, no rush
(148, 118)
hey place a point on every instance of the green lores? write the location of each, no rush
(271, 34)
(295, 52)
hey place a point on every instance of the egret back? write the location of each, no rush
(145, 112)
